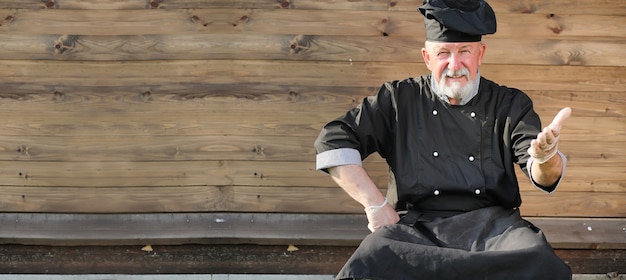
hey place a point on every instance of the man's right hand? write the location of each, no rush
(381, 216)
(354, 180)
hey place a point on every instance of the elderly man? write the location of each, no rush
(451, 140)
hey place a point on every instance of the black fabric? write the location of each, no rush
(399, 123)
(489, 243)
(465, 192)
(457, 21)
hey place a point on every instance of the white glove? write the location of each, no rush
(381, 215)
(545, 146)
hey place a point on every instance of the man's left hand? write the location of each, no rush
(546, 145)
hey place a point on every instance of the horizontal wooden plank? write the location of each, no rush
(582, 179)
(606, 7)
(254, 124)
(290, 73)
(133, 148)
(598, 177)
(217, 21)
(207, 98)
(160, 174)
(290, 21)
(256, 98)
(583, 233)
(150, 148)
(56, 199)
(583, 104)
(296, 47)
(573, 204)
(551, 52)
(176, 199)
(256, 228)
(182, 228)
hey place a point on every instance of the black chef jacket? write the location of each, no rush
(437, 151)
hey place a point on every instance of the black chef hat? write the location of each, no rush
(457, 20)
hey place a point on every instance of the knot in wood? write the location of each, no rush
(57, 95)
(65, 43)
(50, 4)
(383, 26)
(299, 43)
(556, 29)
(293, 95)
(242, 19)
(23, 150)
(259, 150)
(285, 4)
(555, 26)
(154, 4)
(146, 94)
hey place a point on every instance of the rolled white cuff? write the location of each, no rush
(530, 174)
(337, 157)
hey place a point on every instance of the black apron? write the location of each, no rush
(488, 243)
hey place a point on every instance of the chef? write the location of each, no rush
(452, 140)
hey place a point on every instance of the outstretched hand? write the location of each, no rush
(545, 146)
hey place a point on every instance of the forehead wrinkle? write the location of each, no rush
(433, 46)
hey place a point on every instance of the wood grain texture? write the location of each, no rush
(297, 47)
(293, 73)
(285, 21)
(605, 7)
(287, 199)
(140, 106)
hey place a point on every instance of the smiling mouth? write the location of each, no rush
(455, 77)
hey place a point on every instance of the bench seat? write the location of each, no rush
(267, 242)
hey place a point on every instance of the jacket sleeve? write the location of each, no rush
(360, 131)
(528, 125)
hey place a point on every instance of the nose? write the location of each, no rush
(454, 62)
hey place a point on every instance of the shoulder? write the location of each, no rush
(401, 88)
(502, 92)
(416, 82)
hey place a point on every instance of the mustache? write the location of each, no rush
(450, 73)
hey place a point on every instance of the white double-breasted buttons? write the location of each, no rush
(435, 112)
(436, 192)
(435, 154)
(477, 191)
(471, 158)
(473, 114)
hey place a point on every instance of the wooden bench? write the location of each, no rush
(244, 242)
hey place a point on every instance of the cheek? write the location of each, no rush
(437, 69)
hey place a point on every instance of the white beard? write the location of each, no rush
(455, 90)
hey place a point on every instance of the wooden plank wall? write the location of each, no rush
(195, 106)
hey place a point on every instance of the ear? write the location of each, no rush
(481, 53)
(426, 56)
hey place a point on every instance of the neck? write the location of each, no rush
(454, 101)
